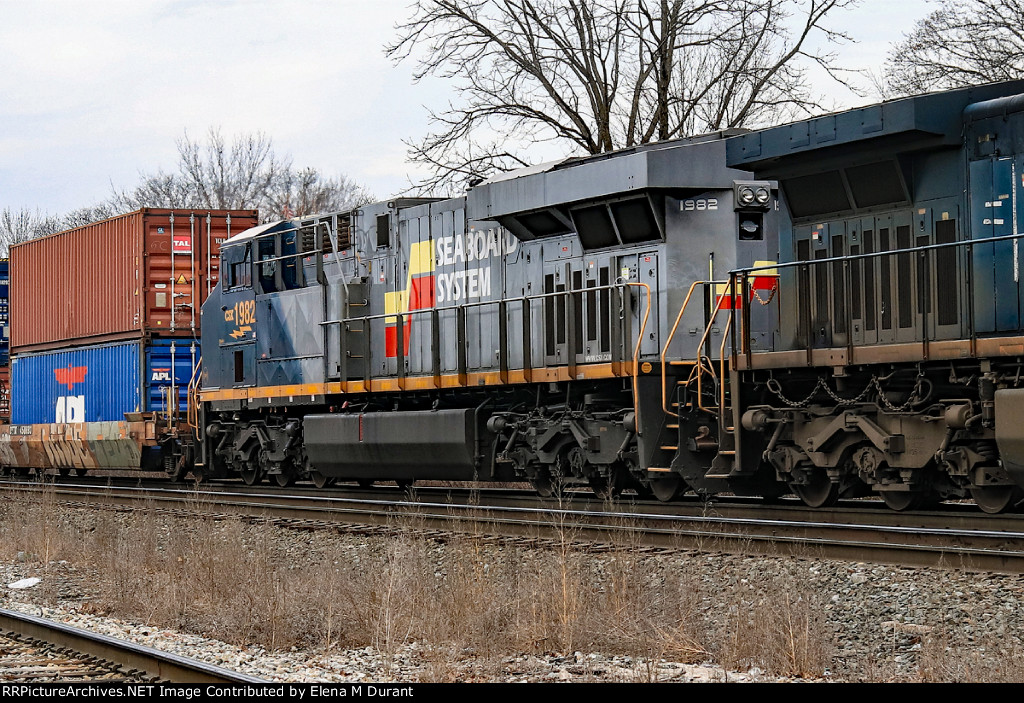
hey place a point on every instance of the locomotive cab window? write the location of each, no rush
(238, 271)
(291, 266)
(268, 264)
(383, 230)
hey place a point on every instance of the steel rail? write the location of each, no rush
(164, 666)
(858, 532)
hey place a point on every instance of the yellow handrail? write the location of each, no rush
(721, 364)
(192, 396)
(703, 339)
(664, 350)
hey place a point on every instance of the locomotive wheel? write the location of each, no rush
(604, 488)
(996, 499)
(404, 483)
(904, 500)
(64, 473)
(668, 488)
(608, 488)
(81, 472)
(286, 478)
(365, 483)
(319, 480)
(543, 486)
(251, 475)
(818, 492)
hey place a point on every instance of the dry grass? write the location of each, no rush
(989, 661)
(458, 599)
(781, 633)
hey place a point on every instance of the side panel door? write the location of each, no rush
(855, 247)
(947, 313)
(904, 285)
(885, 272)
(1006, 264)
(557, 273)
(647, 270)
(985, 295)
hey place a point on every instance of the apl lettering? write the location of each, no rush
(70, 408)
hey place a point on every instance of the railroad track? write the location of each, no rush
(36, 650)
(953, 537)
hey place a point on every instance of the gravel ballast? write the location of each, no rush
(879, 623)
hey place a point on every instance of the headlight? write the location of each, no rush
(751, 195)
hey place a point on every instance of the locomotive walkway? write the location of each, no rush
(955, 536)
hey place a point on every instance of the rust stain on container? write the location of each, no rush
(132, 276)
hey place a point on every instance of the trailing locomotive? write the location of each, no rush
(898, 365)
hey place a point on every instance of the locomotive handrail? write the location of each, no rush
(668, 341)
(636, 354)
(316, 222)
(192, 396)
(968, 245)
(729, 332)
(289, 230)
(744, 317)
(700, 359)
(399, 317)
(165, 397)
(525, 300)
(877, 254)
(481, 303)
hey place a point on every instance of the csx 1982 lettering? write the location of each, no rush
(699, 205)
(243, 313)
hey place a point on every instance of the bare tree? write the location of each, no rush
(598, 75)
(307, 191)
(86, 215)
(18, 226)
(212, 174)
(963, 42)
(22, 225)
(243, 174)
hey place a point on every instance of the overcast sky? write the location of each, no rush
(93, 92)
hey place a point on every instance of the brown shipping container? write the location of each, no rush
(119, 278)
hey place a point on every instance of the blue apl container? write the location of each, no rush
(98, 383)
(159, 353)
